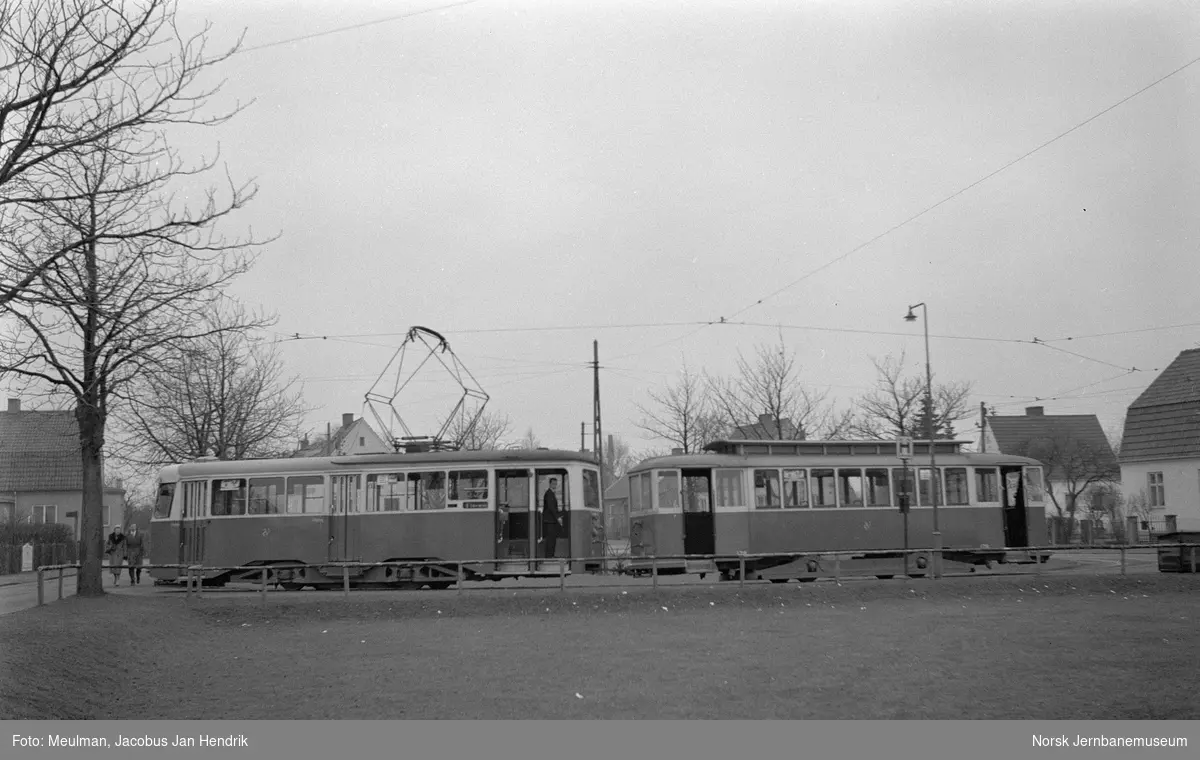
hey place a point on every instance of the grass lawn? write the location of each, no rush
(988, 648)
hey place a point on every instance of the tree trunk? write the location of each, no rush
(91, 439)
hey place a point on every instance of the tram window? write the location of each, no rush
(306, 494)
(956, 486)
(635, 494)
(766, 489)
(850, 487)
(877, 488)
(795, 489)
(166, 494)
(729, 488)
(430, 488)
(228, 497)
(987, 486)
(469, 487)
(591, 489)
(668, 490)
(824, 493)
(923, 485)
(266, 496)
(644, 489)
(902, 483)
(1034, 493)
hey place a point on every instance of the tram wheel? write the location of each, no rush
(806, 580)
(291, 586)
(440, 585)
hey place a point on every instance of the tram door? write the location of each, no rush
(1016, 532)
(554, 481)
(514, 523)
(192, 522)
(699, 528)
(343, 532)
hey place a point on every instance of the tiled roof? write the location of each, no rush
(1178, 383)
(1014, 434)
(1164, 422)
(318, 448)
(39, 451)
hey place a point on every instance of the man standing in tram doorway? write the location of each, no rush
(551, 519)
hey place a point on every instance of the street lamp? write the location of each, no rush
(934, 480)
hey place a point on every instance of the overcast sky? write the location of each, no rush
(615, 169)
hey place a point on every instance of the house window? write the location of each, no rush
(45, 513)
(362, 440)
(106, 512)
(1154, 483)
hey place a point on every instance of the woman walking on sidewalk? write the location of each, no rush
(134, 552)
(116, 553)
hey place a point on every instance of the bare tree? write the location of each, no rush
(767, 393)
(486, 433)
(221, 395)
(681, 414)
(1073, 466)
(618, 458)
(896, 406)
(106, 271)
(77, 76)
(527, 442)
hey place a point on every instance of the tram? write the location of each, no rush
(436, 509)
(811, 505)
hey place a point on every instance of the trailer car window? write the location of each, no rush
(795, 489)
(987, 486)
(877, 488)
(267, 496)
(729, 488)
(850, 487)
(766, 489)
(591, 489)
(824, 488)
(228, 497)
(956, 486)
(306, 494)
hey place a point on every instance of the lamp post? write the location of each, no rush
(934, 480)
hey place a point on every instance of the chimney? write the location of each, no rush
(14, 405)
(676, 452)
(347, 419)
(1034, 411)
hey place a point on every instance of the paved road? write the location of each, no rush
(20, 592)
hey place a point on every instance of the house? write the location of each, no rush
(354, 436)
(616, 510)
(41, 473)
(768, 429)
(1160, 447)
(1081, 469)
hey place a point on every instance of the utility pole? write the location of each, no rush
(982, 427)
(583, 436)
(598, 438)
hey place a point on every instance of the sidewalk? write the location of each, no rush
(16, 579)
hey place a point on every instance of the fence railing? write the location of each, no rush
(194, 574)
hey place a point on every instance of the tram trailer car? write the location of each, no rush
(433, 508)
(805, 500)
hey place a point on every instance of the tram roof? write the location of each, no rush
(764, 453)
(423, 459)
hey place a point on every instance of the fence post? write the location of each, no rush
(741, 570)
(837, 568)
(41, 592)
(60, 582)
(264, 585)
(1122, 560)
(1037, 561)
(654, 569)
(562, 576)
(199, 582)
(345, 581)
(1192, 558)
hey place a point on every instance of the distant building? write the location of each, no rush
(1078, 457)
(1160, 446)
(354, 436)
(41, 470)
(767, 429)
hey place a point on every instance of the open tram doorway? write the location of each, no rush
(699, 527)
(1016, 530)
(514, 524)
(553, 496)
